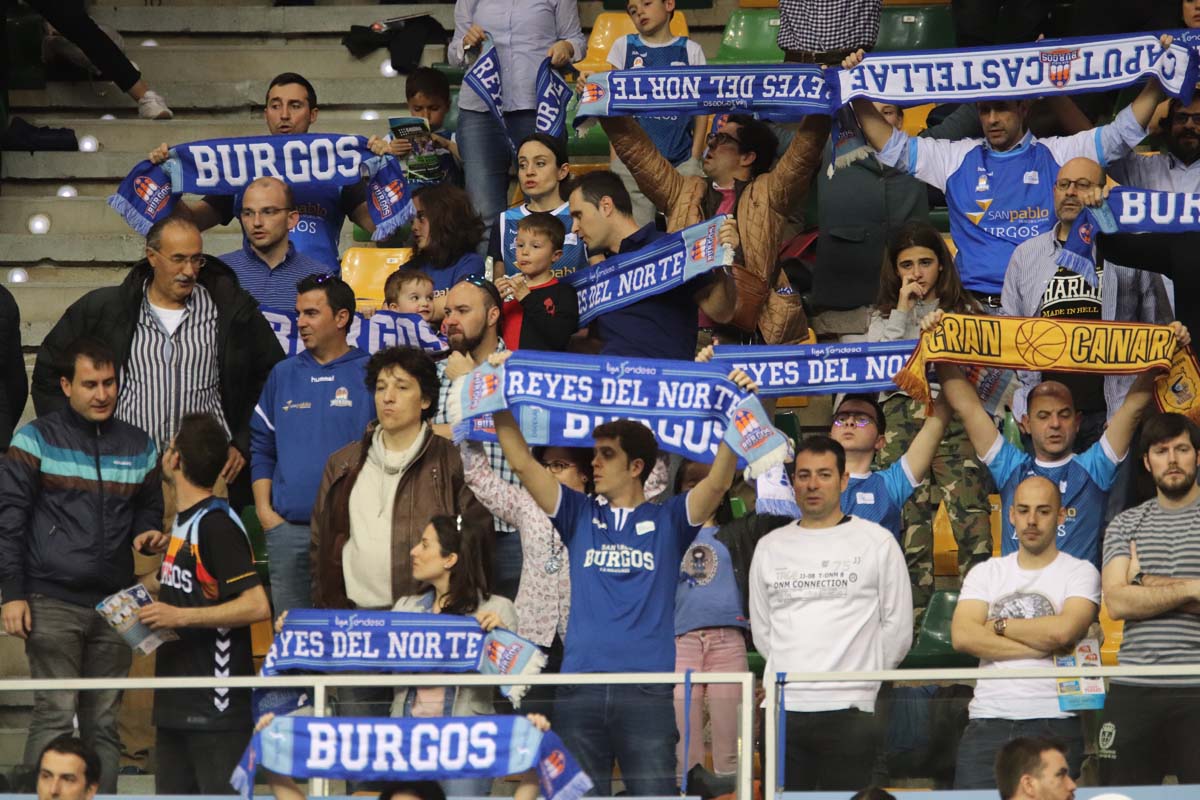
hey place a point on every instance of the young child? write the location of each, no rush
(539, 312)
(542, 171)
(428, 94)
(409, 291)
(654, 46)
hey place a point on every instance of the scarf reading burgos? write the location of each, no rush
(1126, 210)
(381, 330)
(660, 266)
(315, 640)
(431, 748)
(1104, 348)
(227, 166)
(553, 93)
(558, 398)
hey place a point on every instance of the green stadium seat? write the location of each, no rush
(758, 664)
(737, 506)
(453, 74)
(258, 542)
(940, 217)
(594, 142)
(789, 425)
(915, 28)
(933, 648)
(749, 38)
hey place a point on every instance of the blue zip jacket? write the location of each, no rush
(306, 412)
(73, 494)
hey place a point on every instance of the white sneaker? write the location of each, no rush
(152, 106)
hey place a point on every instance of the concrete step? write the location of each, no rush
(140, 136)
(51, 289)
(46, 188)
(105, 248)
(233, 62)
(12, 746)
(249, 94)
(74, 215)
(60, 167)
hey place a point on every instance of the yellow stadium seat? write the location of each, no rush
(366, 269)
(758, 3)
(945, 547)
(916, 118)
(1114, 632)
(950, 245)
(261, 636)
(997, 526)
(610, 26)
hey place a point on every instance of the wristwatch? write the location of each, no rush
(1138, 579)
(1000, 625)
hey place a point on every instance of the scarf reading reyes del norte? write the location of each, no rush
(660, 266)
(317, 640)
(227, 166)
(403, 749)
(558, 398)
(1126, 210)
(552, 94)
(816, 369)
(1105, 348)
(383, 329)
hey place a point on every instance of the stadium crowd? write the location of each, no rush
(171, 417)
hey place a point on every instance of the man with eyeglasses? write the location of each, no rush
(268, 265)
(1035, 286)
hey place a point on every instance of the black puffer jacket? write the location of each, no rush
(246, 344)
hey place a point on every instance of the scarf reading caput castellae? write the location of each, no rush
(558, 398)
(407, 749)
(150, 192)
(551, 95)
(1104, 348)
(319, 640)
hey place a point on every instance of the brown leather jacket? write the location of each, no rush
(432, 485)
(761, 211)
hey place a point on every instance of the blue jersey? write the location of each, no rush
(574, 254)
(880, 496)
(444, 278)
(624, 569)
(1083, 480)
(999, 199)
(672, 136)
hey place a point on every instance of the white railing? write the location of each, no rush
(320, 685)
(771, 701)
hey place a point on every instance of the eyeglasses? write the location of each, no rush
(267, 213)
(848, 419)
(1183, 118)
(179, 260)
(557, 467)
(1081, 185)
(721, 137)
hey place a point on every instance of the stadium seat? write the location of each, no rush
(610, 26)
(945, 546)
(749, 38)
(366, 269)
(758, 664)
(737, 507)
(925, 27)
(758, 3)
(932, 648)
(997, 526)
(940, 217)
(453, 74)
(916, 118)
(1114, 632)
(262, 634)
(593, 143)
(789, 425)
(258, 542)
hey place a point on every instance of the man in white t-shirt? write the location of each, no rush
(1015, 612)
(829, 593)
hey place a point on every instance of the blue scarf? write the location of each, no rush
(660, 266)
(815, 369)
(404, 749)
(1126, 210)
(558, 398)
(316, 640)
(1017, 71)
(553, 93)
(226, 166)
(781, 92)
(383, 329)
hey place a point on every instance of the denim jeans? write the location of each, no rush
(983, 738)
(70, 641)
(635, 724)
(486, 157)
(287, 559)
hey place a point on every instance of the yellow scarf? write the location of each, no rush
(1107, 348)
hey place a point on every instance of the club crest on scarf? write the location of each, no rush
(704, 249)
(592, 93)
(752, 432)
(1058, 64)
(388, 197)
(483, 386)
(153, 194)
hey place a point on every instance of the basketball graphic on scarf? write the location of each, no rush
(1040, 342)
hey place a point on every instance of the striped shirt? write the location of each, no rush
(273, 286)
(1168, 545)
(168, 375)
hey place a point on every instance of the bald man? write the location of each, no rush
(1035, 286)
(1016, 612)
(267, 265)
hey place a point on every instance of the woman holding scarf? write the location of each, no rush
(919, 276)
(525, 32)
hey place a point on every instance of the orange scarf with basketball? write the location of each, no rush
(1107, 348)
